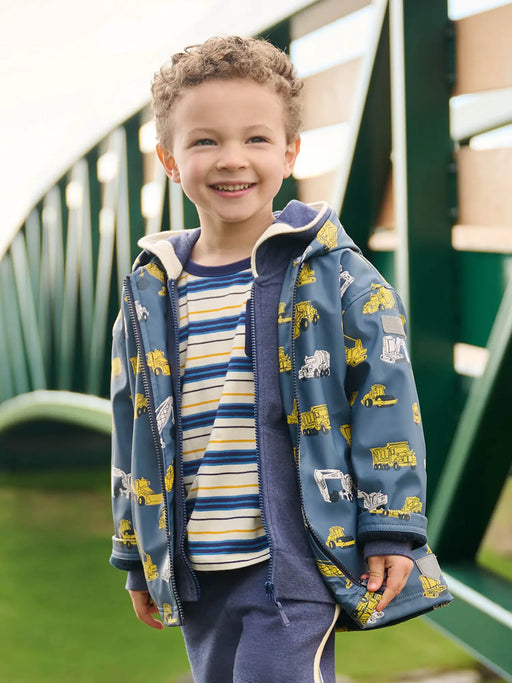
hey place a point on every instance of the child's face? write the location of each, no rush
(230, 152)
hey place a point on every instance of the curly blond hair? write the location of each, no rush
(225, 58)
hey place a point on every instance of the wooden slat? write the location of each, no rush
(484, 186)
(483, 54)
(323, 13)
(329, 94)
(494, 239)
(317, 188)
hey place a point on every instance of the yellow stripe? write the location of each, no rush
(227, 531)
(213, 355)
(216, 310)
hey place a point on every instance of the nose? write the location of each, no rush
(231, 157)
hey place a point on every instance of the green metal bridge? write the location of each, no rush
(414, 188)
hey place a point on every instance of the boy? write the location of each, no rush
(237, 496)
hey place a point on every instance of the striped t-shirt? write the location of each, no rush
(224, 525)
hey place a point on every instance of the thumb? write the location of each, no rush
(376, 567)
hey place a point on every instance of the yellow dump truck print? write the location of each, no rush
(285, 363)
(144, 494)
(126, 534)
(305, 313)
(315, 420)
(328, 236)
(381, 299)
(157, 362)
(394, 455)
(355, 354)
(412, 504)
(306, 275)
(365, 610)
(337, 538)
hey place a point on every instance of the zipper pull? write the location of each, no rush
(271, 595)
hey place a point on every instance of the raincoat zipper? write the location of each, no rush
(269, 584)
(153, 425)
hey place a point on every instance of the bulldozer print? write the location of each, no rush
(126, 534)
(328, 236)
(117, 367)
(150, 569)
(377, 397)
(315, 420)
(285, 363)
(374, 500)
(346, 279)
(157, 362)
(381, 299)
(305, 313)
(337, 538)
(412, 504)
(355, 354)
(155, 271)
(334, 485)
(394, 455)
(281, 314)
(144, 494)
(330, 569)
(141, 405)
(306, 275)
(365, 611)
(317, 365)
(168, 617)
(416, 417)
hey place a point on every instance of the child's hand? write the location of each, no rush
(144, 607)
(396, 568)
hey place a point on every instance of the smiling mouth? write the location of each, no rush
(232, 188)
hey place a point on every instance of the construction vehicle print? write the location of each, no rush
(145, 494)
(135, 365)
(337, 538)
(125, 489)
(155, 271)
(412, 504)
(293, 418)
(317, 365)
(416, 417)
(169, 478)
(432, 588)
(306, 275)
(330, 569)
(381, 299)
(157, 362)
(346, 431)
(355, 354)
(285, 363)
(117, 367)
(141, 404)
(163, 412)
(334, 485)
(430, 575)
(150, 569)
(394, 349)
(395, 454)
(365, 611)
(315, 420)
(346, 279)
(377, 397)
(281, 314)
(141, 311)
(126, 534)
(168, 618)
(374, 500)
(328, 236)
(305, 313)
(162, 520)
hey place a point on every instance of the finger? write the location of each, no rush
(396, 579)
(376, 568)
(144, 609)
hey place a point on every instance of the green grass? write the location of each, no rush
(65, 616)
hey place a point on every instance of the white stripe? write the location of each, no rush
(318, 656)
(479, 601)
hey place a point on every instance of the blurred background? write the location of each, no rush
(408, 134)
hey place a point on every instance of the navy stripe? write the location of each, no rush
(245, 546)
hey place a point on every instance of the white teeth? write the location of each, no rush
(232, 188)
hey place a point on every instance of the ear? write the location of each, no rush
(290, 157)
(169, 164)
